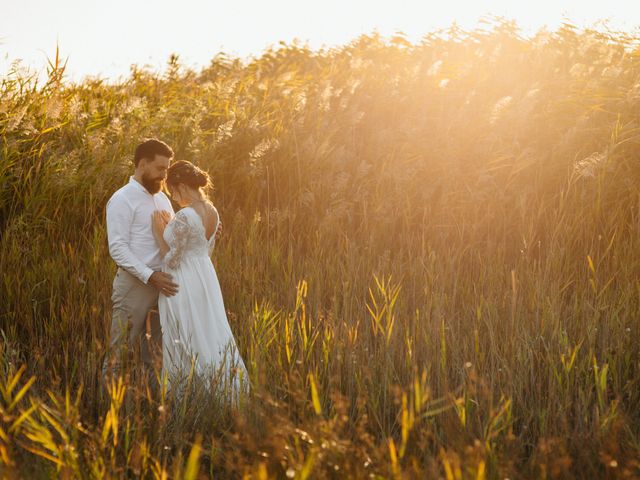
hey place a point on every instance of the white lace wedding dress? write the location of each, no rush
(194, 322)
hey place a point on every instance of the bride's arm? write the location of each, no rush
(159, 223)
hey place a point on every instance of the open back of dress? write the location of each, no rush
(194, 321)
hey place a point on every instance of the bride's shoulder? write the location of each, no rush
(182, 215)
(208, 207)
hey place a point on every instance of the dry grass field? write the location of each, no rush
(430, 261)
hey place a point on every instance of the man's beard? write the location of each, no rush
(153, 185)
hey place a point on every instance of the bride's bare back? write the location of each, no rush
(209, 216)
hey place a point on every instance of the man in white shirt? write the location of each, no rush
(133, 247)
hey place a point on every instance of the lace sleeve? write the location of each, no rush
(177, 238)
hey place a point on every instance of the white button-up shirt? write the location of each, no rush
(132, 244)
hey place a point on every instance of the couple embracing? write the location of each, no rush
(164, 262)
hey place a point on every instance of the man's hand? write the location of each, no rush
(219, 230)
(164, 283)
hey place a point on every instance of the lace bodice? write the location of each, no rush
(186, 237)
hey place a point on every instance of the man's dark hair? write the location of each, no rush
(150, 148)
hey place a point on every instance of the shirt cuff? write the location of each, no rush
(146, 273)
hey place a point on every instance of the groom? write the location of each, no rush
(132, 246)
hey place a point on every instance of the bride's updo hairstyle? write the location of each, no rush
(184, 172)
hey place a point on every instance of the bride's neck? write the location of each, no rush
(195, 198)
(196, 202)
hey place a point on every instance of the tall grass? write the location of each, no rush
(429, 261)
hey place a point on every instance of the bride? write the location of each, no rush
(194, 324)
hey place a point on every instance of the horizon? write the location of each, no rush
(98, 42)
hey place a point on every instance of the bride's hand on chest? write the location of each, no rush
(159, 221)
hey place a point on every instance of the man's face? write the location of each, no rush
(154, 172)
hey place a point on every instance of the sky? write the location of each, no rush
(104, 38)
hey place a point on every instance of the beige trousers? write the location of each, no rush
(132, 300)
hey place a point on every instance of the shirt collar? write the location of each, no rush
(138, 185)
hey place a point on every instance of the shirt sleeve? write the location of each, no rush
(119, 218)
(177, 239)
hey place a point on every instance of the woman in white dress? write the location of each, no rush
(195, 329)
